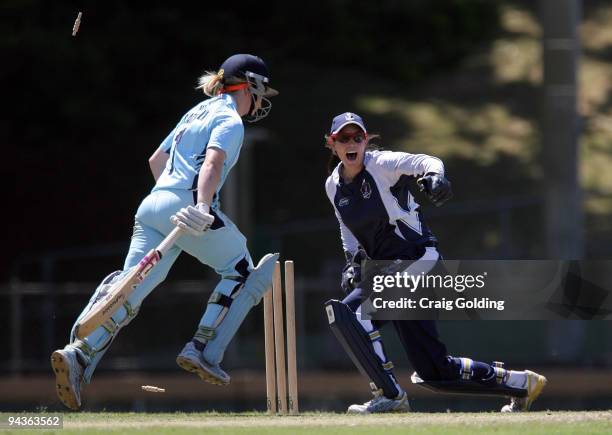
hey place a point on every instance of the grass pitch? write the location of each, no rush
(547, 422)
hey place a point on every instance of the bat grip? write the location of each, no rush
(169, 241)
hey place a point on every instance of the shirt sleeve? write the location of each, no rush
(167, 143)
(349, 241)
(399, 163)
(227, 134)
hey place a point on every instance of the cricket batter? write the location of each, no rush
(189, 167)
(380, 219)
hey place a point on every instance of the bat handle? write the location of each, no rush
(169, 241)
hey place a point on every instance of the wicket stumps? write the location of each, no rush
(279, 376)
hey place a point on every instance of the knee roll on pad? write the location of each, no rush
(260, 279)
(257, 283)
(357, 343)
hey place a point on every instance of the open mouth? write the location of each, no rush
(352, 156)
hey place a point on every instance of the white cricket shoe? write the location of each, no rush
(68, 377)
(535, 385)
(380, 403)
(192, 360)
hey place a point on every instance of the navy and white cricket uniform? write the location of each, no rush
(213, 123)
(377, 211)
(378, 214)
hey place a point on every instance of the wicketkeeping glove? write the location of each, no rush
(351, 274)
(193, 219)
(436, 187)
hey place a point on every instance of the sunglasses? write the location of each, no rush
(357, 137)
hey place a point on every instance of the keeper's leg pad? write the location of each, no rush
(504, 385)
(358, 344)
(91, 349)
(222, 330)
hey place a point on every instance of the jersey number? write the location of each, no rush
(176, 140)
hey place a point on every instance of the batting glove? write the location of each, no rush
(193, 219)
(436, 187)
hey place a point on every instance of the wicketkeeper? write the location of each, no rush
(380, 219)
(189, 167)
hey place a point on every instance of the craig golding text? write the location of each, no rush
(441, 304)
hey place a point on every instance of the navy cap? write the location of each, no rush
(239, 64)
(345, 119)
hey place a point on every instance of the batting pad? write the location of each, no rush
(461, 386)
(95, 345)
(258, 282)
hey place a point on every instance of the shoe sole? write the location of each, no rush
(541, 382)
(398, 410)
(391, 411)
(356, 412)
(205, 375)
(64, 390)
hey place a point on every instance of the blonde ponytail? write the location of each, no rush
(211, 83)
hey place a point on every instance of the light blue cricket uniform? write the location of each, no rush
(213, 123)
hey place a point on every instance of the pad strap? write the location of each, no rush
(85, 349)
(467, 369)
(500, 375)
(110, 326)
(220, 299)
(204, 334)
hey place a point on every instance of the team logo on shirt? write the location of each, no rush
(343, 202)
(366, 190)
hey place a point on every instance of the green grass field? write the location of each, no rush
(596, 422)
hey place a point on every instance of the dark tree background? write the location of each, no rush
(82, 115)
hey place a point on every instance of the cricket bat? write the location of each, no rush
(102, 310)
